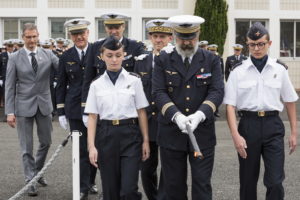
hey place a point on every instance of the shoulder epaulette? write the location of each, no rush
(236, 65)
(141, 57)
(134, 74)
(282, 63)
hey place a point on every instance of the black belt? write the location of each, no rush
(120, 122)
(258, 113)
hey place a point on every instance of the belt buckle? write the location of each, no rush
(115, 122)
(261, 113)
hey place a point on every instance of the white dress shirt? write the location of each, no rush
(80, 50)
(28, 52)
(247, 89)
(119, 101)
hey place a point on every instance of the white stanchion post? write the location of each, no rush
(75, 156)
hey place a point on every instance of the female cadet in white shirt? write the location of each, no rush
(118, 98)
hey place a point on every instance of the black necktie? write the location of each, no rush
(187, 63)
(34, 62)
(82, 57)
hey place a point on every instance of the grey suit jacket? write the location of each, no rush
(25, 90)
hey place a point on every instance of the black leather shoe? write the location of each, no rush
(83, 196)
(32, 191)
(42, 181)
(94, 189)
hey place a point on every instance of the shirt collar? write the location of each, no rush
(80, 50)
(28, 52)
(249, 63)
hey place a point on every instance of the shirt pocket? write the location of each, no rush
(104, 100)
(172, 79)
(203, 82)
(272, 89)
(126, 97)
(247, 89)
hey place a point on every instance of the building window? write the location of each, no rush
(65, 3)
(18, 4)
(242, 27)
(113, 4)
(13, 27)
(57, 28)
(252, 4)
(289, 39)
(100, 29)
(160, 4)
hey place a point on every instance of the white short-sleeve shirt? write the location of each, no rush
(119, 101)
(248, 89)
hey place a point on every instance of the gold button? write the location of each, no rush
(153, 113)
(152, 102)
(188, 98)
(187, 110)
(204, 82)
(188, 86)
(126, 65)
(170, 83)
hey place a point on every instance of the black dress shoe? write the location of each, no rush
(42, 181)
(83, 196)
(32, 191)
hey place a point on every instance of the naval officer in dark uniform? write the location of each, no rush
(214, 49)
(257, 88)
(160, 34)
(236, 58)
(187, 89)
(69, 87)
(4, 57)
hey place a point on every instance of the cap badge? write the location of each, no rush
(112, 16)
(75, 22)
(257, 33)
(158, 23)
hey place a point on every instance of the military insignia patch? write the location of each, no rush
(158, 23)
(71, 63)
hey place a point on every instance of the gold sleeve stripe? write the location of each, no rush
(62, 105)
(83, 104)
(211, 104)
(165, 107)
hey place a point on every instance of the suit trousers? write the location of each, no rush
(174, 166)
(25, 133)
(264, 137)
(76, 124)
(149, 175)
(119, 156)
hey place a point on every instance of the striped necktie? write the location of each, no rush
(34, 62)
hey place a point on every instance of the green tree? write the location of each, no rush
(215, 27)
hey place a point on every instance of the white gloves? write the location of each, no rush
(54, 84)
(1, 83)
(195, 119)
(181, 121)
(63, 122)
(85, 120)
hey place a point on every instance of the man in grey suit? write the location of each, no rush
(28, 99)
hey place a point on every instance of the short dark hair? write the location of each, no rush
(29, 26)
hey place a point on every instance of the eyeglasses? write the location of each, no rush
(259, 45)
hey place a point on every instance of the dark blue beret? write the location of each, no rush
(256, 31)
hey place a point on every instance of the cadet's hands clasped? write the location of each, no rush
(193, 119)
